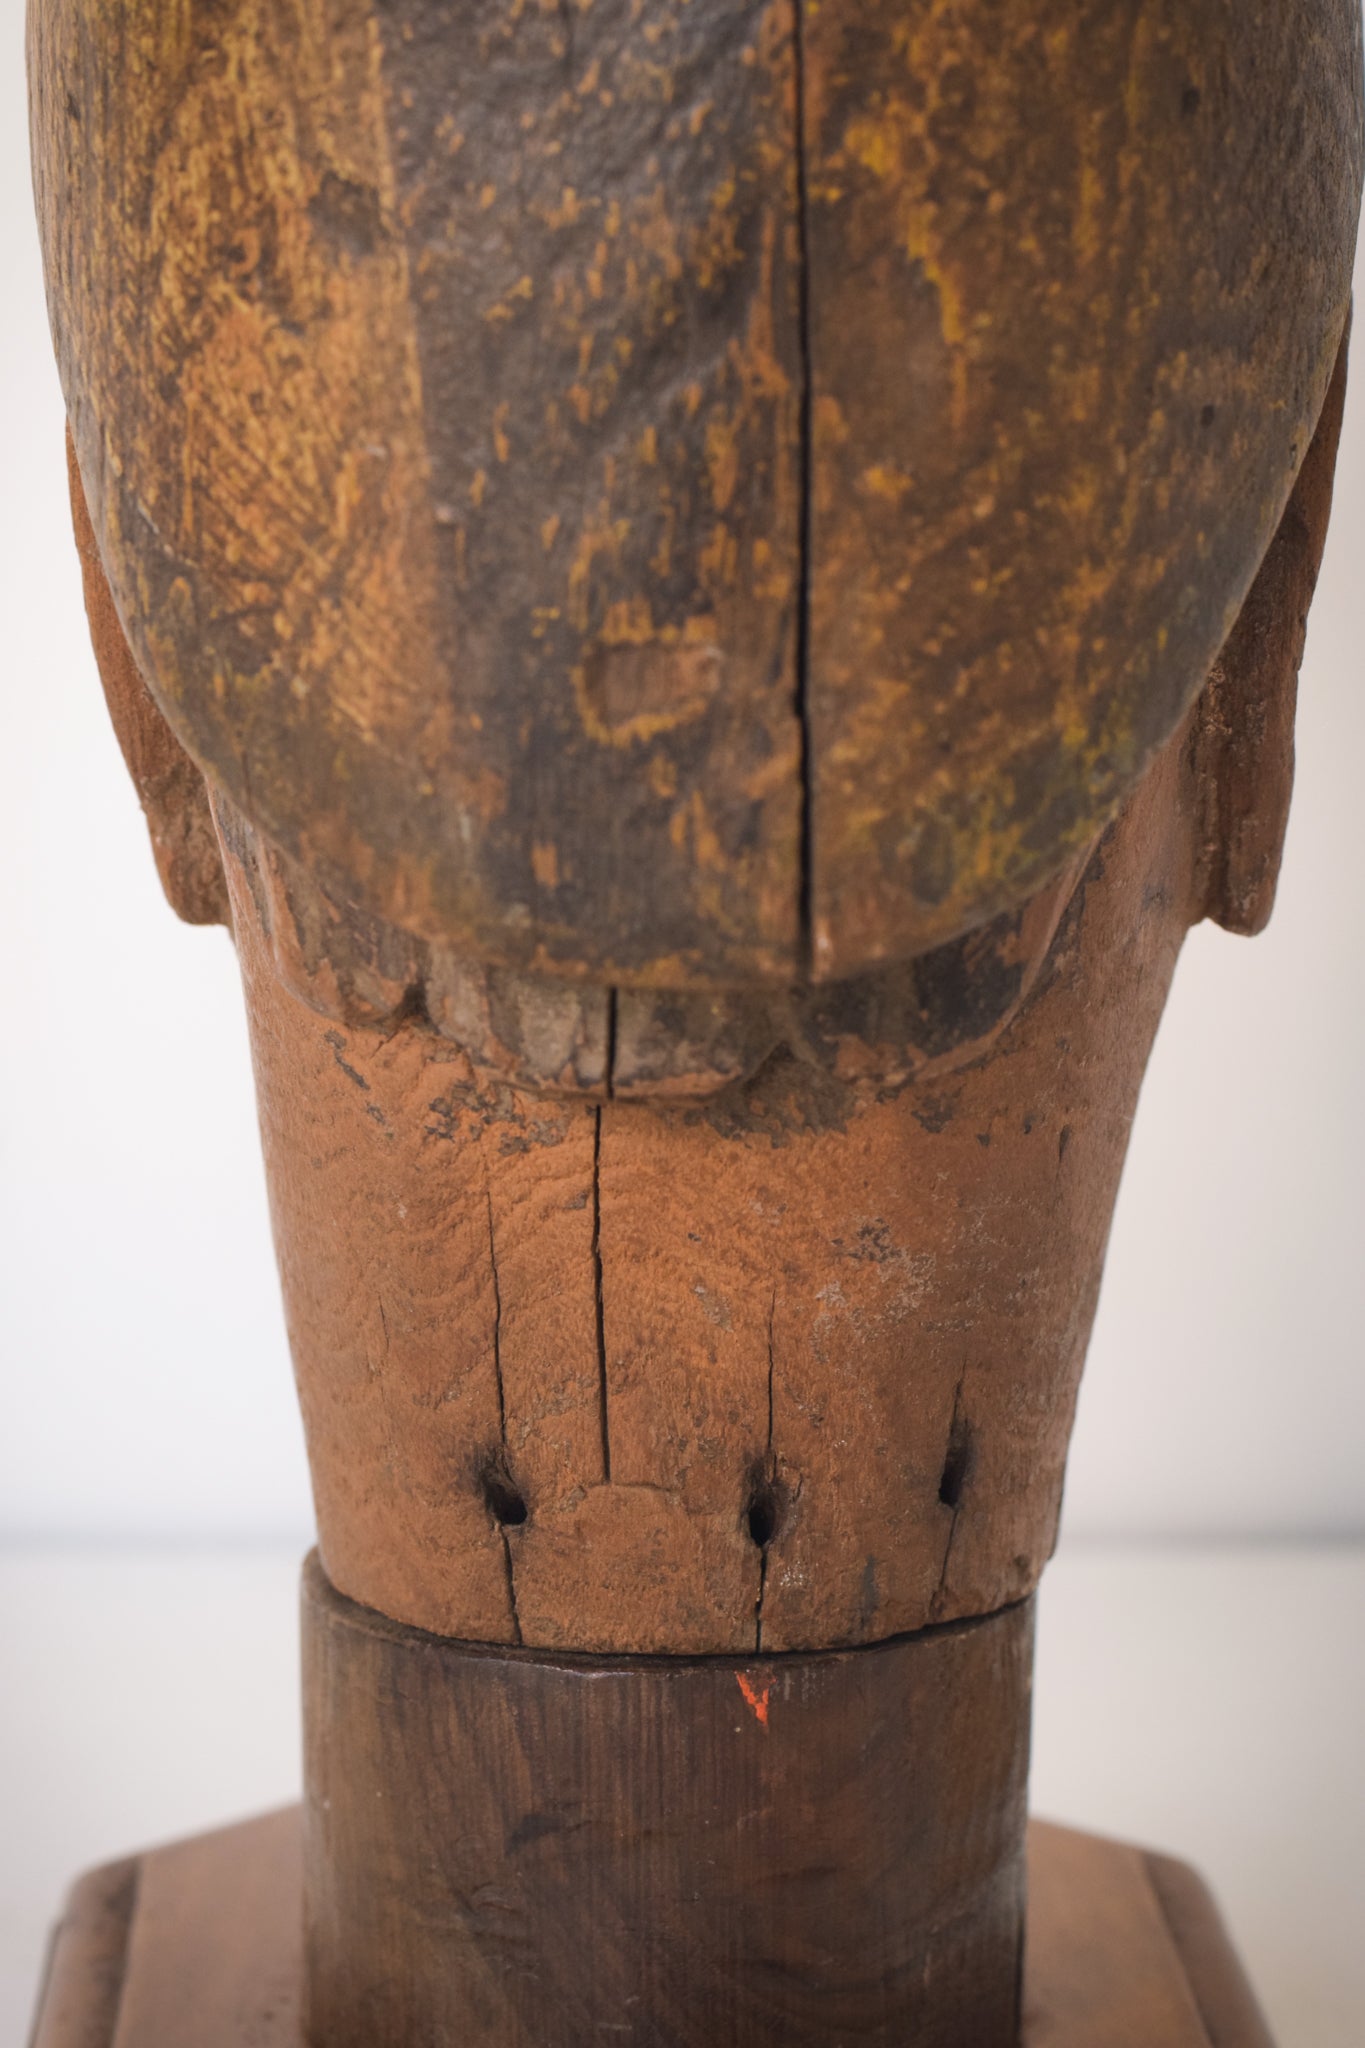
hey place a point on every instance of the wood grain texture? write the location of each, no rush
(433, 379)
(599, 205)
(910, 1020)
(1071, 272)
(541, 1033)
(1246, 714)
(1096, 1958)
(688, 495)
(176, 1889)
(435, 1234)
(87, 1965)
(787, 1368)
(815, 1850)
(785, 1365)
(1127, 1950)
(195, 1945)
(170, 788)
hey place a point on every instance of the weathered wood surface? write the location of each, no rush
(688, 494)
(791, 1367)
(1246, 714)
(709, 498)
(1058, 283)
(890, 1025)
(521, 1850)
(171, 790)
(792, 1363)
(434, 379)
(1101, 1969)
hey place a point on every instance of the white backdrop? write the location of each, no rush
(146, 1383)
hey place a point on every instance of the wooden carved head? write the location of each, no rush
(718, 582)
(695, 496)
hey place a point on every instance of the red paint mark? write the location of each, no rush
(756, 1701)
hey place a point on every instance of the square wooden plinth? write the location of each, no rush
(198, 1946)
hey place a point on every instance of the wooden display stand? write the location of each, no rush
(200, 1946)
(594, 1849)
(709, 588)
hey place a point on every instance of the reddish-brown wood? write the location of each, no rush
(737, 497)
(1127, 1950)
(87, 1965)
(843, 1317)
(198, 1945)
(231, 1977)
(1225, 2001)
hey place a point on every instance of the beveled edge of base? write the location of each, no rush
(199, 1945)
(87, 1958)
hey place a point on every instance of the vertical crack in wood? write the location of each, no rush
(770, 1472)
(610, 1063)
(598, 1307)
(379, 1377)
(502, 1415)
(806, 883)
(954, 1439)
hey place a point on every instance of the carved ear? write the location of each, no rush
(170, 787)
(1245, 735)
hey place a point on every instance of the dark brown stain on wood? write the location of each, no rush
(515, 1849)
(465, 402)
(1124, 1950)
(598, 206)
(906, 1022)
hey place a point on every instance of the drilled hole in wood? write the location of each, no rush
(763, 1514)
(504, 1500)
(957, 1465)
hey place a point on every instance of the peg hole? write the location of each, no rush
(763, 1510)
(505, 1501)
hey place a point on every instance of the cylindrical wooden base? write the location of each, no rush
(535, 1851)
